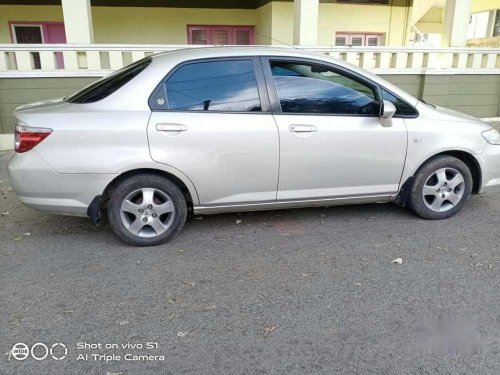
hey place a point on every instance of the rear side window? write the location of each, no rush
(403, 109)
(109, 84)
(228, 86)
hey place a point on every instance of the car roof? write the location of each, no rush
(235, 51)
(196, 53)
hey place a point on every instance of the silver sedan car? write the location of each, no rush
(214, 130)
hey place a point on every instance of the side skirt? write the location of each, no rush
(277, 205)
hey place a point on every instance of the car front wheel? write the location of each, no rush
(147, 210)
(441, 188)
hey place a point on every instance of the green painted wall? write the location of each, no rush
(477, 95)
(17, 91)
(474, 94)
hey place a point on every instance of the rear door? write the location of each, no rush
(211, 120)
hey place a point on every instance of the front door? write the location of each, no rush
(57, 35)
(331, 138)
(40, 33)
(211, 120)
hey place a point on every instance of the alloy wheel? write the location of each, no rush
(443, 189)
(147, 212)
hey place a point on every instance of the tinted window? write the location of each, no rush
(305, 88)
(109, 84)
(402, 108)
(211, 86)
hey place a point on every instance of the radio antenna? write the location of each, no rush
(276, 40)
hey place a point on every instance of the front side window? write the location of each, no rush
(310, 88)
(228, 86)
(109, 84)
(403, 109)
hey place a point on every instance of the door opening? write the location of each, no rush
(39, 33)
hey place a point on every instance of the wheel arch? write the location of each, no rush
(468, 159)
(186, 187)
(464, 156)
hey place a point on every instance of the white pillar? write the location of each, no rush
(305, 25)
(456, 23)
(78, 21)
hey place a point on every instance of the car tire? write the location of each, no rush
(441, 188)
(147, 210)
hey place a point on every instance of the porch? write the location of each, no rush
(434, 23)
(50, 48)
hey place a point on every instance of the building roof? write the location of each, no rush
(220, 4)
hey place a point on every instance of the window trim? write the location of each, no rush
(273, 93)
(259, 78)
(381, 37)
(13, 26)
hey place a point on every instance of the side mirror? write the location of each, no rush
(388, 109)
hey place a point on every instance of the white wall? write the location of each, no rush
(478, 27)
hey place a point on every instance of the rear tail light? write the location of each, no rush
(27, 137)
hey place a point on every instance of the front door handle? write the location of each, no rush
(172, 128)
(302, 128)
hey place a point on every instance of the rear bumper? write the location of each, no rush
(489, 161)
(39, 187)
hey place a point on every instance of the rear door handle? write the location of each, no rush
(172, 128)
(302, 128)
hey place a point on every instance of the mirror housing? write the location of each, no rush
(388, 109)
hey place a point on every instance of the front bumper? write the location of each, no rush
(489, 161)
(39, 187)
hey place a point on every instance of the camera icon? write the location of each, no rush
(38, 351)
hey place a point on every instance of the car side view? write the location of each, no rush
(223, 129)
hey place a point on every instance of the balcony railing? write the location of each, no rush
(96, 60)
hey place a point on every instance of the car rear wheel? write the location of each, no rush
(147, 210)
(441, 188)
